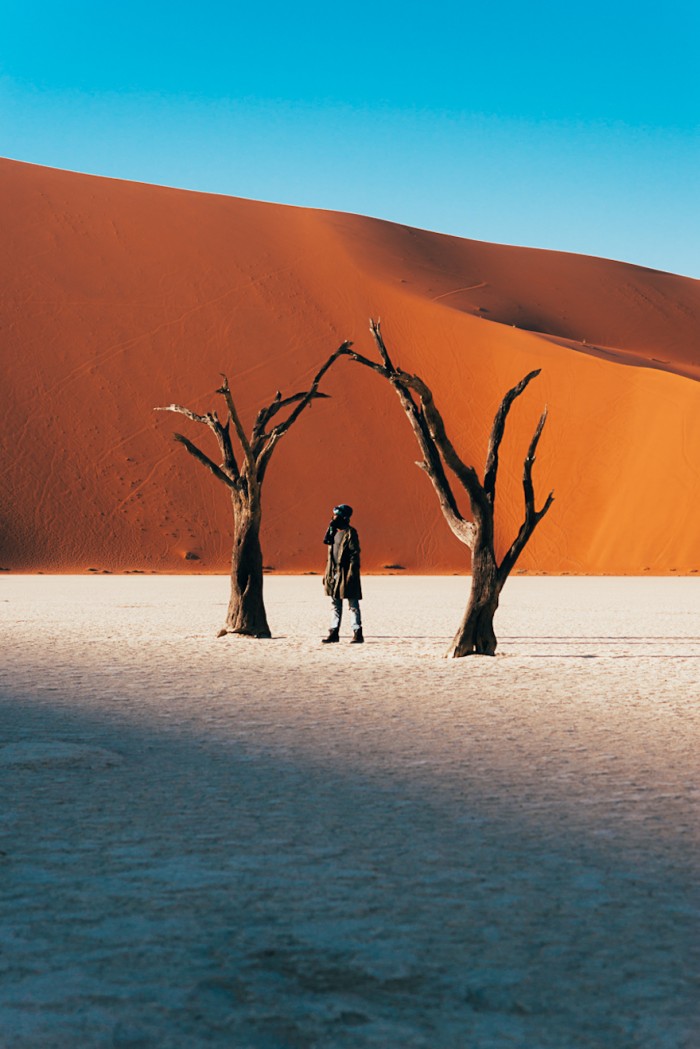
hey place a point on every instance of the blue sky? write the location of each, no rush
(574, 127)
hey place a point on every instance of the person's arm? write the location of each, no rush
(354, 547)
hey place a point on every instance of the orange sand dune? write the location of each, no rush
(118, 297)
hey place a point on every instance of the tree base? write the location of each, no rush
(262, 634)
(476, 636)
(459, 651)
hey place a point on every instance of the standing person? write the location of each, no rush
(342, 578)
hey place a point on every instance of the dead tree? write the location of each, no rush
(246, 610)
(476, 633)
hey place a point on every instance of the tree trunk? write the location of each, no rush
(476, 635)
(246, 609)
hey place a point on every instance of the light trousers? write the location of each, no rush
(337, 614)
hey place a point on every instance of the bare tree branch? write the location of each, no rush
(432, 464)
(205, 460)
(221, 433)
(310, 394)
(265, 414)
(230, 464)
(183, 411)
(532, 515)
(528, 465)
(467, 475)
(375, 328)
(225, 390)
(428, 411)
(371, 364)
(306, 398)
(497, 431)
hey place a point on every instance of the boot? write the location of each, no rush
(333, 636)
(357, 637)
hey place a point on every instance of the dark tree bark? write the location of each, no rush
(476, 633)
(246, 610)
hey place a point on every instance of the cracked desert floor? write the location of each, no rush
(283, 845)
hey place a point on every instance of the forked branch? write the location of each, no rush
(225, 391)
(497, 431)
(229, 467)
(425, 421)
(205, 460)
(376, 329)
(229, 457)
(265, 414)
(429, 413)
(259, 447)
(305, 399)
(532, 515)
(265, 442)
(466, 475)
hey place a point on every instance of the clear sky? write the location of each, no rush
(570, 126)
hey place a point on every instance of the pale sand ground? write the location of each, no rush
(280, 845)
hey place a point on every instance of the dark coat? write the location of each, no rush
(343, 580)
